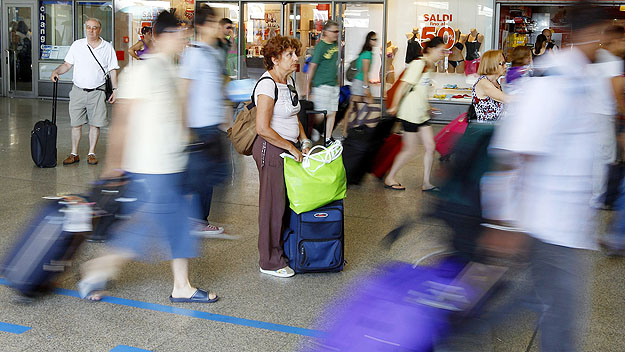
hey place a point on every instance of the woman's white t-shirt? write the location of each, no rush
(284, 120)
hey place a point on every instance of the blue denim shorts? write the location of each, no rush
(158, 225)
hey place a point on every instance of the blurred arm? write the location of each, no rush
(185, 85)
(312, 67)
(117, 138)
(618, 85)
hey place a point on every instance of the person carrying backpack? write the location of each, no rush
(278, 129)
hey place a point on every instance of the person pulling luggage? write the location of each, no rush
(147, 140)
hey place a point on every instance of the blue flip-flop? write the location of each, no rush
(200, 296)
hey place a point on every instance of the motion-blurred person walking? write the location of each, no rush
(553, 146)
(201, 70)
(147, 140)
(323, 76)
(609, 68)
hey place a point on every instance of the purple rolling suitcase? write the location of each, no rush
(406, 308)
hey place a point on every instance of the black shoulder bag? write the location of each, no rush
(108, 84)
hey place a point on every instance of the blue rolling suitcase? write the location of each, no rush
(43, 251)
(314, 240)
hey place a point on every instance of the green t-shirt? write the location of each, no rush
(326, 57)
(365, 55)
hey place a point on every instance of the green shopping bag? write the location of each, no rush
(318, 180)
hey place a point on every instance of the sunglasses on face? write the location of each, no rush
(336, 31)
(294, 96)
(374, 39)
(229, 28)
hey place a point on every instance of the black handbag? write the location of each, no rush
(108, 84)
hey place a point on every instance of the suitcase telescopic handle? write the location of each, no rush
(54, 99)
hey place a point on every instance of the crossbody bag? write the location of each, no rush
(108, 84)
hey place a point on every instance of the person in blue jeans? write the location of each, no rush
(201, 71)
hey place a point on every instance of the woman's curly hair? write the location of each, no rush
(276, 46)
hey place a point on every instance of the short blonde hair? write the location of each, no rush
(489, 64)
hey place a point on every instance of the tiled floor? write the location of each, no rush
(61, 322)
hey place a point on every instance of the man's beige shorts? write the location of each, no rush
(87, 107)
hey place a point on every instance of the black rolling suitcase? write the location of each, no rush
(46, 247)
(361, 146)
(107, 198)
(43, 137)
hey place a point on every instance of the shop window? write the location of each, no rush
(101, 10)
(55, 29)
(262, 23)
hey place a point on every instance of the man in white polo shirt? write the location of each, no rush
(87, 97)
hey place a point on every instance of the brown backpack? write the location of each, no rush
(243, 131)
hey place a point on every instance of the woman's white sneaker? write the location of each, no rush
(284, 272)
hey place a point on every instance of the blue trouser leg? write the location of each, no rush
(212, 164)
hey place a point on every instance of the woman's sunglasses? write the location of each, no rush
(294, 96)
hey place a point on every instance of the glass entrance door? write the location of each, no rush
(18, 49)
(358, 19)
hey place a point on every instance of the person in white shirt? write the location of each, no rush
(552, 147)
(609, 67)
(87, 97)
(147, 140)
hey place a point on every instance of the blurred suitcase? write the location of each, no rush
(361, 144)
(386, 155)
(355, 153)
(107, 207)
(46, 247)
(446, 139)
(314, 240)
(403, 307)
(303, 116)
(344, 98)
(43, 138)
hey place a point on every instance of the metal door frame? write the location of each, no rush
(8, 71)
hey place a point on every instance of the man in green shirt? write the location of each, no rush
(323, 75)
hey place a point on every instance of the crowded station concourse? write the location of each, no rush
(270, 177)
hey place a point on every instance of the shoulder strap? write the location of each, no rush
(275, 90)
(96, 59)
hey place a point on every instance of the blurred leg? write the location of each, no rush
(427, 138)
(408, 151)
(559, 275)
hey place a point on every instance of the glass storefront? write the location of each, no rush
(256, 22)
(102, 10)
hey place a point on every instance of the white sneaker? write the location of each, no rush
(284, 272)
(208, 230)
(315, 135)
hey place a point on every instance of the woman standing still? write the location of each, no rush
(488, 97)
(414, 113)
(278, 130)
(142, 47)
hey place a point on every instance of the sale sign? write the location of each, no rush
(438, 25)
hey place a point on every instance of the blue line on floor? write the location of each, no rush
(195, 313)
(124, 348)
(12, 328)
